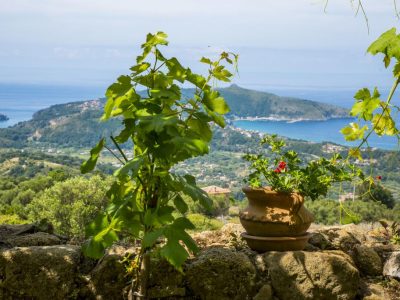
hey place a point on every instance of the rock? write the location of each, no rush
(265, 293)
(367, 260)
(108, 279)
(41, 272)
(320, 241)
(312, 275)
(342, 240)
(35, 239)
(374, 291)
(165, 281)
(218, 273)
(227, 236)
(392, 266)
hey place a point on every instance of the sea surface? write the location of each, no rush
(314, 131)
(20, 102)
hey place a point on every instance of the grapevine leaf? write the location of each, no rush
(215, 102)
(388, 44)
(353, 132)
(356, 153)
(174, 253)
(180, 204)
(133, 166)
(89, 165)
(150, 238)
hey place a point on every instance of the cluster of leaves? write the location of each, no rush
(165, 127)
(368, 106)
(284, 171)
(391, 232)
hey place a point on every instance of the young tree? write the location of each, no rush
(165, 127)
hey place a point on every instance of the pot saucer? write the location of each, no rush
(281, 243)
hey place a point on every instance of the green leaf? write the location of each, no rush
(132, 166)
(356, 153)
(150, 238)
(164, 214)
(183, 223)
(353, 132)
(93, 249)
(97, 225)
(114, 91)
(384, 124)
(89, 165)
(388, 44)
(140, 68)
(215, 102)
(174, 253)
(366, 105)
(176, 70)
(180, 204)
(206, 60)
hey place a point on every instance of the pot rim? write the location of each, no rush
(267, 190)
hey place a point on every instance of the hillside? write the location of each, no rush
(249, 103)
(77, 124)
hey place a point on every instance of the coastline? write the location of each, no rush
(274, 118)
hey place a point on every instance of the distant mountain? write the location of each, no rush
(245, 103)
(77, 124)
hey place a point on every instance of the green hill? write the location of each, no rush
(249, 103)
(77, 124)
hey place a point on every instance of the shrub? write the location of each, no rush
(71, 205)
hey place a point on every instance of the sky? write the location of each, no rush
(282, 43)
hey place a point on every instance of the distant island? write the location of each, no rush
(3, 118)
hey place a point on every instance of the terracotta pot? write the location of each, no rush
(274, 214)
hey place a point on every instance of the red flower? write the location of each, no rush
(379, 177)
(282, 165)
(277, 170)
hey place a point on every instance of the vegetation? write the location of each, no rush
(375, 192)
(329, 212)
(70, 205)
(165, 129)
(285, 172)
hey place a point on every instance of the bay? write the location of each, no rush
(314, 131)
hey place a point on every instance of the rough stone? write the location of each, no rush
(227, 236)
(312, 275)
(107, 279)
(165, 281)
(367, 260)
(374, 291)
(320, 241)
(265, 293)
(218, 273)
(392, 266)
(34, 239)
(40, 272)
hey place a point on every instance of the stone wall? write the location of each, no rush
(343, 262)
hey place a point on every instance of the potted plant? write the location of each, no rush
(276, 218)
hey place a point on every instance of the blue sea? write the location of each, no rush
(20, 102)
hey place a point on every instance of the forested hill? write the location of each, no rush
(250, 103)
(77, 124)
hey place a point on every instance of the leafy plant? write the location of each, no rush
(165, 127)
(391, 232)
(284, 171)
(374, 115)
